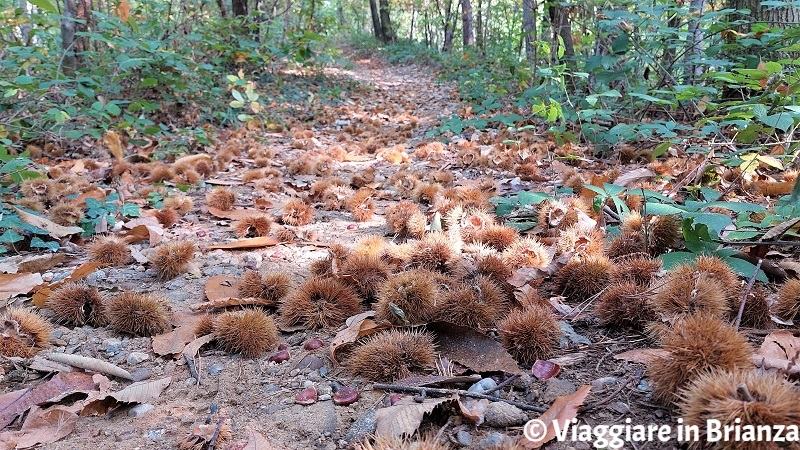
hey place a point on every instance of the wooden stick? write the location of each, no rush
(746, 293)
(420, 390)
(192, 367)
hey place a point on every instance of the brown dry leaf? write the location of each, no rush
(55, 230)
(123, 10)
(114, 144)
(235, 214)
(473, 409)
(358, 326)
(257, 441)
(41, 294)
(263, 241)
(221, 286)
(525, 275)
(642, 355)
(352, 157)
(41, 263)
(471, 348)
(17, 402)
(227, 302)
(143, 232)
(780, 350)
(12, 284)
(43, 427)
(217, 182)
(174, 342)
(193, 347)
(405, 416)
(629, 178)
(142, 392)
(563, 410)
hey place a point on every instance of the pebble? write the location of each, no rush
(47, 276)
(620, 407)
(323, 371)
(141, 374)
(175, 284)
(270, 387)
(135, 358)
(324, 397)
(294, 372)
(557, 387)
(502, 415)
(570, 337)
(94, 277)
(190, 381)
(314, 376)
(463, 438)
(150, 272)
(486, 384)
(492, 441)
(156, 435)
(140, 410)
(308, 384)
(644, 386)
(57, 334)
(110, 346)
(214, 369)
(603, 382)
(362, 427)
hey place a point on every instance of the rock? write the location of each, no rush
(570, 337)
(557, 387)
(486, 384)
(271, 388)
(644, 386)
(111, 346)
(214, 369)
(362, 427)
(324, 397)
(310, 362)
(190, 381)
(175, 284)
(95, 277)
(308, 384)
(156, 435)
(141, 374)
(323, 371)
(463, 438)
(619, 407)
(149, 272)
(502, 415)
(135, 358)
(603, 382)
(140, 410)
(494, 440)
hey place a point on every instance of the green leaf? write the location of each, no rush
(39, 243)
(661, 148)
(504, 209)
(25, 79)
(10, 236)
(531, 198)
(745, 268)
(130, 210)
(237, 95)
(521, 226)
(714, 221)
(147, 82)
(113, 109)
(674, 259)
(660, 209)
(44, 5)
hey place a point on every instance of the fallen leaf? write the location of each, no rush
(780, 350)
(193, 347)
(174, 342)
(142, 392)
(95, 193)
(123, 10)
(114, 144)
(358, 326)
(217, 182)
(642, 355)
(263, 241)
(41, 263)
(473, 409)
(257, 441)
(629, 178)
(13, 284)
(405, 416)
(43, 427)
(226, 302)
(17, 402)
(143, 232)
(221, 286)
(563, 410)
(471, 348)
(55, 230)
(235, 214)
(41, 294)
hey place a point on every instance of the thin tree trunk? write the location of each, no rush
(376, 20)
(287, 19)
(449, 26)
(487, 26)
(411, 28)
(340, 12)
(562, 27)
(386, 23)
(479, 26)
(528, 25)
(239, 7)
(695, 50)
(223, 11)
(68, 35)
(467, 34)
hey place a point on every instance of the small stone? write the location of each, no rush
(111, 346)
(135, 358)
(311, 362)
(362, 427)
(314, 376)
(570, 338)
(307, 384)
(294, 372)
(463, 439)
(619, 407)
(47, 276)
(175, 284)
(156, 435)
(141, 374)
(140, 410)
(644, 386)
(271, 388)
(502, 415)
(484, 385)
(148, 272)
(323, 371)
(493, 441)
(214, 369)
(557, 387)
(603, 382)
(190, 381)
(324, 397)
(95, 277)
(57, 334)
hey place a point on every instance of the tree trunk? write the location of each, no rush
(239, 7)
(785, 18)
(528, 26)
(449, 26)
(695, 50)
(223, 11)
(479, 26)
(68, 35)
(386, 23)
(562, 27)
(466, 24)
(411, 28)
(287, 19)
(340, 12)
(376, 20)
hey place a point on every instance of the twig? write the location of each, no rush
(502, 385)
(192, 367)
(213, 441)
(612, 395)
(746, 293)
(419, 390)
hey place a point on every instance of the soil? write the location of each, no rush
(255, 394)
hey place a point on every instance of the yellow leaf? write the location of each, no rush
(114, 144)
(771, 161)
(123, 10)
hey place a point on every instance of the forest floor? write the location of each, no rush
(388, 106)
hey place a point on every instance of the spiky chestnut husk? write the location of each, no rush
(23, 333)
(427, 442)
(581, 241)
(696, 344)
(478, 303)
(788, 304)
(739, 398)
(78, 304)
(204, 326)
(319, 303)
(222, 433)
(473, 197)
(397, 255)
(372, 245)
(663, 233)
(181, 205)
(366, 273)
(171, 259)
(633, 222)
(530, 334)
(433, 252)
(582, 278)
(297, 213)
(682, 293)
(637, 268)
(251, 333)
(415, 292)
(321, 267)
(284, 234)
(498, 237)
(493, 267)
(722, 274)
(139, 314)
(166, 217)
(625, 305)
(253, 226)
(109, 251)
(627, 244)
(425, 193)
(66, 214)
(527, 252)
(252, 175)
(756, 309)
(406, 219)
(470, 223)
(562, 214)
(221, 198)
(361, 205)
(43, 189)
(393, 355)
(272, 286)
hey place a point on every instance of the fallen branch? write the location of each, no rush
(93, 364)
(192, 367)
(422, 390)
(231, 301)
(746, 293)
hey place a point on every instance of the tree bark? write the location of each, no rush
(411, 28)
(775, 17)
(287, 19)
(239, 7)
(386, 23)
(528, 26)
(68, 35)
(562, 27)
(376, 20)
(467, 33)
(695, 50)
(340, 12)
(449, 26)
(223, 11)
